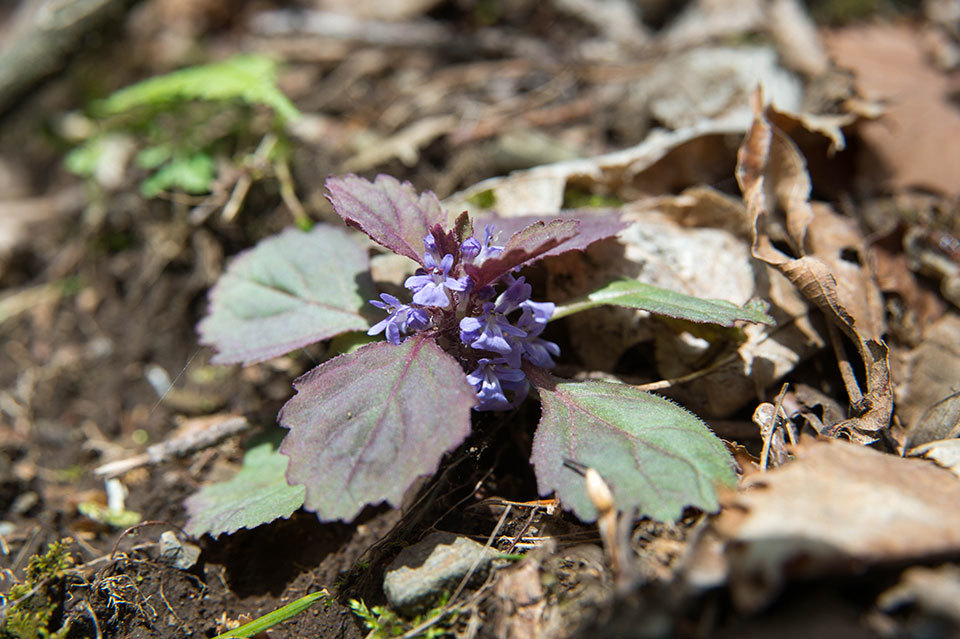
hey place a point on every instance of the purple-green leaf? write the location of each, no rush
(390, 212)
(365, 426)
(656, 456)
(524, 247)
(290, 290)
(258, 494)
(630, 293)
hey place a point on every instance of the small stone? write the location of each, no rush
(421, 573)
(182, 556)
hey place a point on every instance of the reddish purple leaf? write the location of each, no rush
(389, 211)
(525, 246)
(365, 426)
(290, 290)
(593, 228)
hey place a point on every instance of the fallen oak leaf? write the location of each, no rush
(945, 452)
(772, 175)
(833, 509)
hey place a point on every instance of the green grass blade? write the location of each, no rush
(271, 619)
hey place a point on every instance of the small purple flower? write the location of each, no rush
(516, 293)
(428, 284)
(432, 255)
(491, 379)
(470, 249)
(477, 252)
(540, 352)
(489, 332)
(535, 316)
(401, 319)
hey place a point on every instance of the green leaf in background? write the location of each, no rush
(290, 290)
(153, 156)
(191, 173)
(84, 159)
(258, 494)
(656, 456)
(247, 78)
(365, 426)
(630, 293)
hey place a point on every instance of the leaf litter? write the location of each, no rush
(866, 511)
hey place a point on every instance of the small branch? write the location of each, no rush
(177, 447)
(843, 363)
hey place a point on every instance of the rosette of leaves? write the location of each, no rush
(363, 426)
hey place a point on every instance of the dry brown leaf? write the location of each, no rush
(836, 506)
(945, 452)
(909, 140)
(940, 421)
(709, 20)
(698, 149)
(776, 189)
(913, 307)
(928, 373)
(796, 35)
(936, 591)
(374, 9)
(714, 83)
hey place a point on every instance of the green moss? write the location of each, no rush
(384, 623)
(839, 12)
(483, 199)
(34, 605)
(575, 198)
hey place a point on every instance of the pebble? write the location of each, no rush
(421, 573)
(182, 556)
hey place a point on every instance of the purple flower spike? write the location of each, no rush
(491, 378)
(507, 325)
(401, 319)
(428, 285)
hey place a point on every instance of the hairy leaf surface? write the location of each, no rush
(258, 494)
(290, 290)
(655, 455)
(389, 211)
(660, 301)
(364, 426)
(593, 227)
(524, 247)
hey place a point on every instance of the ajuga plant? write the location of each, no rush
(465, 337)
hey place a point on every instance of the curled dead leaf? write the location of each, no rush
(829, 265)
(836, 507)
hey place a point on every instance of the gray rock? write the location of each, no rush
(182, 556)
(421, 573)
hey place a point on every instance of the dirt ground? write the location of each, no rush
(101, 289)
